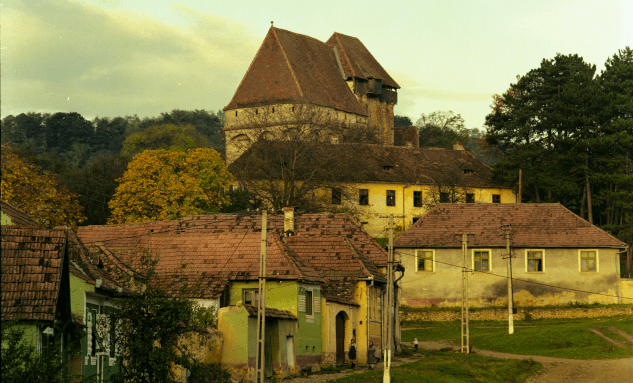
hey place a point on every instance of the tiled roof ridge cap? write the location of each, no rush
(275, 29)
(120, 264)
(283, 51)
(293, 258)
(344, 53)
(64, 259)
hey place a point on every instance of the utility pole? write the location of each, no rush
(510, 294)
(260, 357)
(386, 378)
(465, 321)
(520, 184)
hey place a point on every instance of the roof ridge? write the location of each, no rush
(283, 52)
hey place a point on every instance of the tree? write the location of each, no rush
(153, 325)
(21, 362)
(441, 129)
(613, 198)
(95, 185)
(402, 121)
(166, 136)
(543, 125)
(207, 123)
(299, 158)
(162, 185)
(37, 192)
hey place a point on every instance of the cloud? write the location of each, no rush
(69, 56)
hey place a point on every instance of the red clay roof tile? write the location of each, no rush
(533, 225)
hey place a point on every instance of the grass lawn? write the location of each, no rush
(453, 367)
(561, 338)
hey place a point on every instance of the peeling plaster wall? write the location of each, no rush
(443, 287)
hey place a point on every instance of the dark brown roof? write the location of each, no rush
(336, 260)
(377, 163)
(357, 61)
(32, 261)
(91, 266)
(294, 68)
(18, 216)
(533, 225)
(270, 313)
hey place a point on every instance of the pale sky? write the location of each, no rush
(113, 58)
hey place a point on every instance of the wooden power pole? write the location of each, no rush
(465, 321)
(260, 357)
(510, 294)
(389, 344)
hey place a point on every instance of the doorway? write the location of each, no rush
(340, 337)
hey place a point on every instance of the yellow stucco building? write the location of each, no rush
(557, 257)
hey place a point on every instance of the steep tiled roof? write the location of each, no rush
(18, 216)
(270, 313)
(368, 163)
(226, 247)
(32, 261)
(86, 265)
(533, 225)
(219, 258)
(338, 262)
(357, 61)
(294, 68)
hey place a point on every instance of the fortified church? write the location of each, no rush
(340, 76)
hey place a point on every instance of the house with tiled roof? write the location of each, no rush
(322, 271)
(294, 75)
(376, 180)
(52, 282)
(557, 257)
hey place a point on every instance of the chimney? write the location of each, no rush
(458, 146)
(289, 221)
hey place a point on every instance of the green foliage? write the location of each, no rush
(153, 325)
(402, 121)
(537, 337)
(438, 366)
(208, 373)
(21, 363)
(166, 136)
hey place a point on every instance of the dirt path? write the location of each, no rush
(559, 370)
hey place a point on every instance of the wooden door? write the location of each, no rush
(340, 338)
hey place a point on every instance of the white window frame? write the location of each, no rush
(580, 261)
(432, 258)
(489, 260)
(526, 260)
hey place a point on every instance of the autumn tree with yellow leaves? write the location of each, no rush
(39, 193)
(162, 185)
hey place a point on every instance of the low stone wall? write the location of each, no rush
(626, 290)
(502, 314)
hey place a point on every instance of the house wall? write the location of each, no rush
(281, 295)
(328, 341)
(238, 339)
(78, 288)
(374, 213)
(309, 352)
(5, 219)
(368, 325)
(443, 286)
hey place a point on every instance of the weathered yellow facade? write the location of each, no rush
(364, 323)
(560, 282)
(376, 213)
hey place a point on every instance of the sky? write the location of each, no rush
(112, 58)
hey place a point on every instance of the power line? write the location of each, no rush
(516, 279)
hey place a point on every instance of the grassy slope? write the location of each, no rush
(453, 368)
(568, 338)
